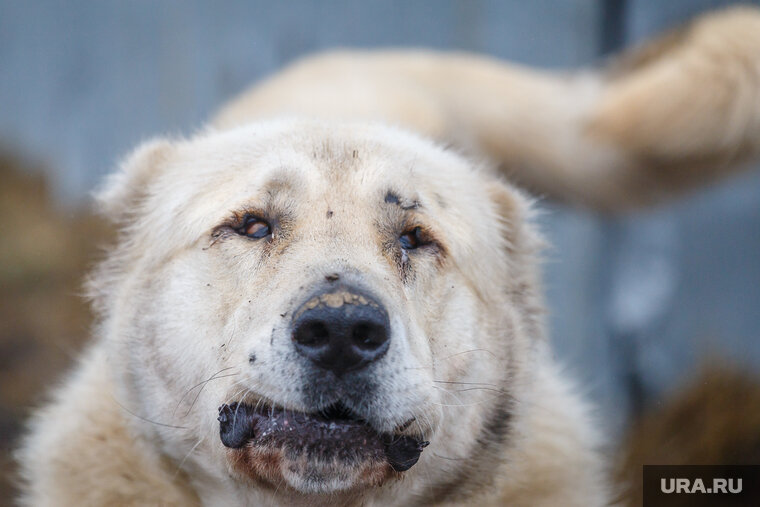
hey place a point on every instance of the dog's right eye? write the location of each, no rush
(411, 239)
(255, 228)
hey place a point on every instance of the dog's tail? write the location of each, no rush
(676, 113)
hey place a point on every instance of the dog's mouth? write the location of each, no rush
(322, 446)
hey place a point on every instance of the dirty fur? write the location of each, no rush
(335, 154)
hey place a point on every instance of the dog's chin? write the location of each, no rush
(282, 469)
(328, 452)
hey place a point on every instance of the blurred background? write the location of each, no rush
(656, 313)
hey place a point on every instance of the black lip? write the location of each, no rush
(335, 432)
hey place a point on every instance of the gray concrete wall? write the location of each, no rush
(636, 302)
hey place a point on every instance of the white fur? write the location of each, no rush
(182, 305)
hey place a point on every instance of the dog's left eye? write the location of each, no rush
(411, 239)
(256, 228)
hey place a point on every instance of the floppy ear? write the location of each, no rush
(523, 244)
(515, 213)
(122, 193)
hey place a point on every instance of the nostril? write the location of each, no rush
(341, 330)
(313, 334)
(368, 336)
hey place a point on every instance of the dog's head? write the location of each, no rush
(303, 307)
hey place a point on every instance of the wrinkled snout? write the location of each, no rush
(341, 329)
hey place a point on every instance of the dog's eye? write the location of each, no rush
(256, 228)
(411, 239)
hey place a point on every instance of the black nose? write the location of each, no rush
(341, 330)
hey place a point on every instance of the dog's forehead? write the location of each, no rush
(310, 161)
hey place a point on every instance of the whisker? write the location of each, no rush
(465, 383)
(466, 352)
(489, 389)
(179, 467)
(198, 385)
(452, 393)
(146, 419)
(197, 395)
(452, 355)
(448, 458)
(237, 393)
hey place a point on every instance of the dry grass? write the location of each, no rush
(712, 420)
(44, 321)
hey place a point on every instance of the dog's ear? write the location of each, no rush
(523, 245)
(123, 191)
(515, 214)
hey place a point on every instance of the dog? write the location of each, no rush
(330, 296)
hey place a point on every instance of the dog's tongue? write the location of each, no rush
(240, 424)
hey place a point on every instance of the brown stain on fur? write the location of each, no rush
(263, 468)
(334, 300)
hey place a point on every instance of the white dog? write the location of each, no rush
(330, 311)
